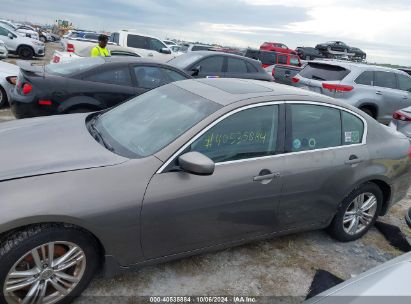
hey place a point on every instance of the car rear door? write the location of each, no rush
(210, 67)
(110, 85)
(237, 68)
(183, 212)
(387, 94)
(325, 154)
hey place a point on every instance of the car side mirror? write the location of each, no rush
(196, 163)
(165, 51)
(195, 71)
(10, 35)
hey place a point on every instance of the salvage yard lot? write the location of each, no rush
(283, 266)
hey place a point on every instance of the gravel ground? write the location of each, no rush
(283, 266)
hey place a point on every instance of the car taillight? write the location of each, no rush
(400, 116)
(45, 102)
(12, 80)
(295, 79)
(27, 88)
(56, 59)
(70, 47)
(337, 87)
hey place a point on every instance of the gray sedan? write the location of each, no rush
(192, 166)
(402, 121)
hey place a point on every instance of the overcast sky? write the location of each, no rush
(382, 28)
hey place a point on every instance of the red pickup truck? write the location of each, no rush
(268, 58)
(277, 47)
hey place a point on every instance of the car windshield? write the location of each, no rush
(151, 121)
(74, 66)
(185, 60)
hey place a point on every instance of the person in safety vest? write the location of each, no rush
(100, 49)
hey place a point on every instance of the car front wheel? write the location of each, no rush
(357, 213)
(46, 264)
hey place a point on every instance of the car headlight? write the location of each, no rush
(39, 43)
(2, 44)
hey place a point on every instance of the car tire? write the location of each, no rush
(3, 98)
(26, 52)
(23, 250)
(357, 213)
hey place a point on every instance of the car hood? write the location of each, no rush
(45, 145)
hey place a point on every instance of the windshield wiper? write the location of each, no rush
(98, 136)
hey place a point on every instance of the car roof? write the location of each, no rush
(350, 65)
(225, 91)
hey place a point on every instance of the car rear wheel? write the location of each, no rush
(46, 264)
(357, 213)
(26, 52)
(3, 97)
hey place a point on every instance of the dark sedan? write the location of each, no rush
(358, 54)
(192, 166)
(333, 46)
(210, 64)
(87, 84)
(308, 53)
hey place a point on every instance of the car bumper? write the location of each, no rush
(28, 106)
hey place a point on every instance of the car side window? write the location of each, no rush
(314, 127)
(149, 77)
(3, 32)
(212, 64)
(155, 45)
(294, 61)
(385, 80)
(251, 68)
(235, 65)
(282, 59)
(120, 76)
(366, 78)
(246, 134)
(136, 41)
(173, 76)
(353, 129)
(404, 82)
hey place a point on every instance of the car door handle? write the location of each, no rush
(260, 178)
(353, 160)
(378, 93)
(150, 55)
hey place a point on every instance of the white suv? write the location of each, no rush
(145, 46)
(25, 47)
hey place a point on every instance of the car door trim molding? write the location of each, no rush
(364, 138)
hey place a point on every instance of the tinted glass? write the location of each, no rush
(404, 82)
(246, 134)
(251, 68)
(136, 41)
(282, 59)
(314, 127)
(212, 64)
(366, 78)
(294, 61)
(147, 123)
(320, 71)
(91, 36)
(114, 38)
(200, 48)
(75, 66)
(385, 80)
(155, 44)
(149, 77)
(3, 32)
(173, 76)
(115, 76)
(185, 60)
(235, 65)
(353, 128)
(269, 58)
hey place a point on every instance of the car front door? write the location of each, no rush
(10, 43)
(183, 212)
(237, 68)
(324, 157)
(156, 46)
(210, 67)
(404, 85)
(387, 95)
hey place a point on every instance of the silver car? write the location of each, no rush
(8, 77)
(402, 121)
(389, 282)
(189, 167)
(378, 91)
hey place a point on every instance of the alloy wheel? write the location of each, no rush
(360, 213)
(45, 274)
